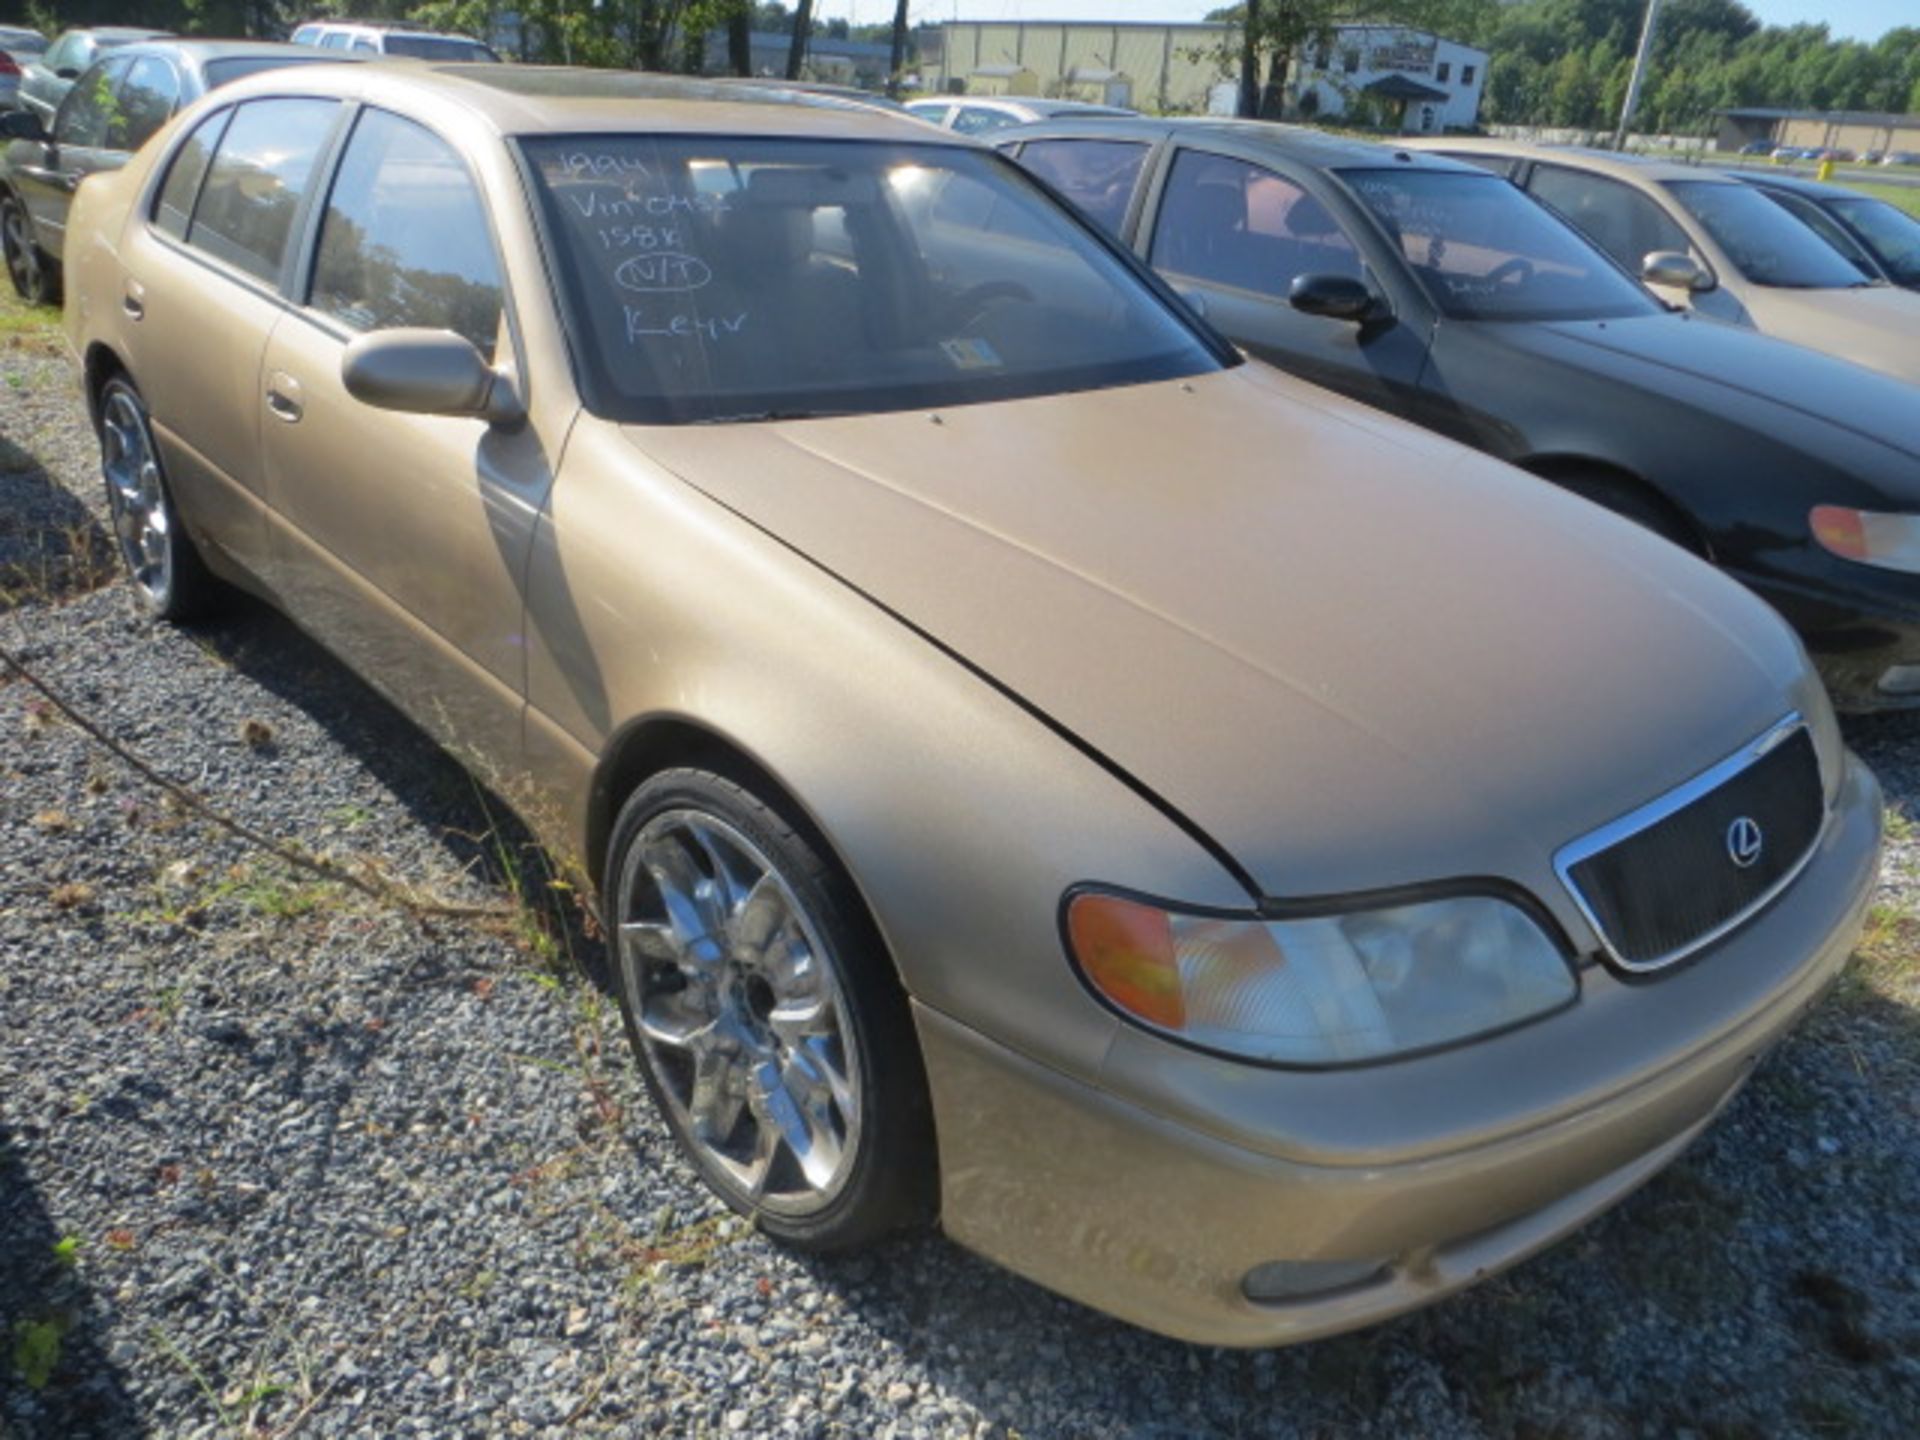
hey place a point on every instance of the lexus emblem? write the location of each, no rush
(1744, 842)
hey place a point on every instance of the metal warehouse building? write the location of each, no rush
(1145, 65)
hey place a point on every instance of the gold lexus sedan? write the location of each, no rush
(1702, 239)
(1232, 857)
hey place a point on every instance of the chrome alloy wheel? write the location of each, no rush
(740, 1013)
(22, 253)
(135, 494)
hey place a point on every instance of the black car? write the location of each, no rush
(47, 79)
(1438, 291)
(107, 115)
(1881, 239)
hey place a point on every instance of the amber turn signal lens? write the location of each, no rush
(1126, 950)
(1840, 530)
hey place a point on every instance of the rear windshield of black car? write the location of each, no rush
(225, 72)
(1764, 242)
(715, 278)
(437, 47)
(1485, 251)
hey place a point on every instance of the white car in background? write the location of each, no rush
(974, 115)
(377, 37)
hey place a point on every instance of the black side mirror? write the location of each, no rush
(68, 72)
(21, 125)
(1337, 297)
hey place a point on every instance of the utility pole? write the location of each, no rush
(1639, 74)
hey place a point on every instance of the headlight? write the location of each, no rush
(1336, 989)
(1871, 537)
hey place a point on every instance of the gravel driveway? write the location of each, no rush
(276, 1157)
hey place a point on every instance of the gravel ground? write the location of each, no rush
(276, 1157)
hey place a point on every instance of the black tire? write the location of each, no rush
(168, 574)
(34, 273)
(1632, 501)
(885, 1177)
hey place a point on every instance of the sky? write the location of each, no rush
(1852, 19)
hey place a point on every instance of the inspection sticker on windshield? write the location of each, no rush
(971, 354)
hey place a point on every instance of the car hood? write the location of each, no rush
(1877, 326)
(1353, 653)
(1801, 388)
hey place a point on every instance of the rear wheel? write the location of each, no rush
(767, 1020)
(166, 570)
(35, 277)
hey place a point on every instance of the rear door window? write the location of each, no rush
(257, 179)
(147, 98)
(405, 239)
(1098, 176)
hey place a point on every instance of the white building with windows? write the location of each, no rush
(1409, 78)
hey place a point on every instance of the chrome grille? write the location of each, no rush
(1677, 874)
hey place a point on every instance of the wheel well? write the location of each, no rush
(101, 366)
(665, 743)
(1593, 478)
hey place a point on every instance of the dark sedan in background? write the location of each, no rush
(108, 114)
(1882, 239)
(44, 82)
(1438, 291)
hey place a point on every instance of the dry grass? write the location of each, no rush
(28, 329)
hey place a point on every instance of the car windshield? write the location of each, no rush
(437, 47)
(1764, 242)
(1891, 233)
(719, 278)
(1484, 251)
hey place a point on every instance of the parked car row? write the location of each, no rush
(1244, 860)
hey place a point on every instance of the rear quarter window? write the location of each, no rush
(259, 174)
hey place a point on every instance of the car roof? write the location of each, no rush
(1605, 162)
(543, 99)
(1302, 143)
(200, 52)
(113, 32)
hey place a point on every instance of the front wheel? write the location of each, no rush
(166, 569)
(769, 1025)
(35, 278)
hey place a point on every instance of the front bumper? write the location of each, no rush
(1153, 1195)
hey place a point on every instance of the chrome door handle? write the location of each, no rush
(133, 300)
(283, 405)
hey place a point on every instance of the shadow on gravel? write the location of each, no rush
(478, 832)
(51, 546)
(56, 1380)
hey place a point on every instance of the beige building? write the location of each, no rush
(1858, 131)
(1162, 67)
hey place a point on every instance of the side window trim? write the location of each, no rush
(305, 247)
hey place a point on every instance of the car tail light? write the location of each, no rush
(8, 65)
